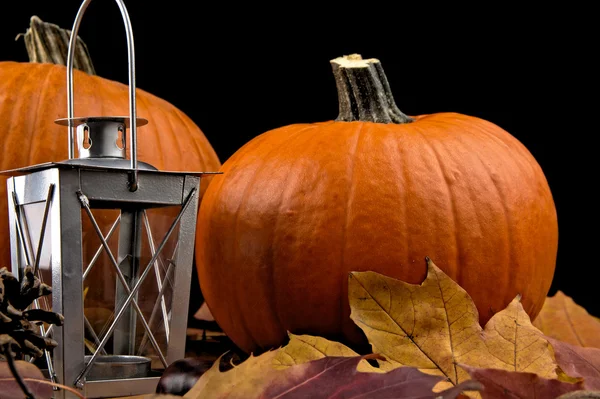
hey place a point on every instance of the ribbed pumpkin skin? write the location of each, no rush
(33, 95)
(301, 206)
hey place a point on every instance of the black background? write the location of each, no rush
(239, 70)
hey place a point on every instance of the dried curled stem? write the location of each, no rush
(49, 43)
(364, 92)
(54, 384)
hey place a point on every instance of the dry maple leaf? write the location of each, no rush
(328, 377)
(435, 325)
(579, 362)
(565, 320)
(305, 348)
(500, 384)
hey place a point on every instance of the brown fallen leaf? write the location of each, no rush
(580, 395)
(328, 377)
(500, 384)
(304, 348)
(565, 320)
(150, 396)
(577, 361)
(28, 371)
(434, 326)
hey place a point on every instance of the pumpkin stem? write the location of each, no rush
(364, 92)
(49, 43)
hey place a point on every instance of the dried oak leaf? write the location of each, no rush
(577, 361)
(9, 387)
(435, 325)
(500, 384)
(565, 320)
(328, 377)
(305, 348)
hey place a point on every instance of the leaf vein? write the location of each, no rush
(400, 327)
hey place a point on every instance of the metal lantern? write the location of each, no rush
(144, 289)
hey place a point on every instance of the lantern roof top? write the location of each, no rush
(112, 167)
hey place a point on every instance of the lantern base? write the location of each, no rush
(119, 387)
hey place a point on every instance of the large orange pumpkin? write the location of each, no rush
(33, 95)
(300, 206)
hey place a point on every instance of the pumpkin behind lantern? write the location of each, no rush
(32, 97)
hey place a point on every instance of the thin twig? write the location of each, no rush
(55, 384)
(13, 369)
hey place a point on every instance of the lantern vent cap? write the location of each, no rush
(94, 119)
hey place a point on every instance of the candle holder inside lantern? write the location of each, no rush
(114, 238)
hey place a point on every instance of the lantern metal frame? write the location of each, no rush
(104, 180)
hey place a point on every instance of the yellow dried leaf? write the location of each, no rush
(219, 383)
(564, 377)
(510, 342)
(565, 320)
(434, 326)
(256, 371)
(304, 348)
(327, 377)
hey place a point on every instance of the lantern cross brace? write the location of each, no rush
(160, 285)
(86, 206)
(23, 231)
(21, 222)
(38, 255)
(101, 247)
(161, 293)
(133, 291)
(85, 273)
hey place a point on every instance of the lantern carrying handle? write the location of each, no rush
(133, 183)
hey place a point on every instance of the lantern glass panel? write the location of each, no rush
(104, 293)
(31, 223)
(33, 214)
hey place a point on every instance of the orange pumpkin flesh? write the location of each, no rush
(299, 207)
